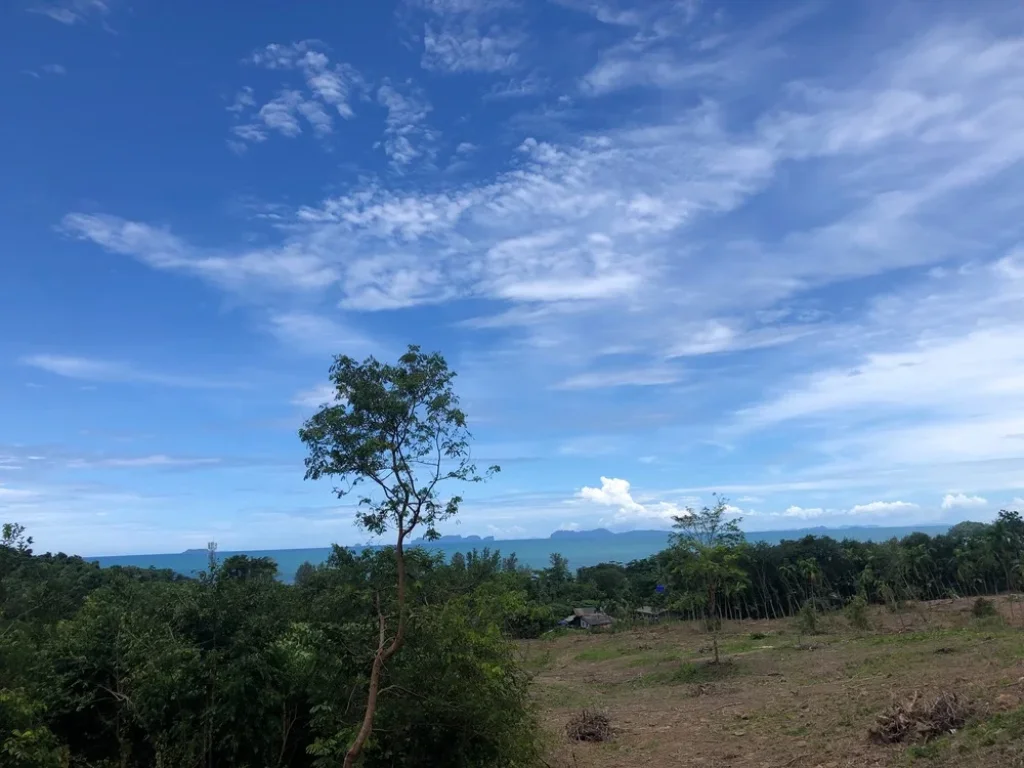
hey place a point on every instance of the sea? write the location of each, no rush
(580, 549)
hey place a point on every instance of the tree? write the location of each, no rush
(399, 430)
(705, 559)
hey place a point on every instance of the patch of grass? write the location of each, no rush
(536, 662)
(564, 696)
(653, 659)
(910, 638)
(930, 751)
(689, 673)
(990, 623)
(604, 653)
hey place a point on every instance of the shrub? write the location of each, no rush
(857, 613)
(807, 619)
(983, 609)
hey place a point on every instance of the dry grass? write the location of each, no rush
(780, 706)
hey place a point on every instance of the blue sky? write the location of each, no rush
(770, 249)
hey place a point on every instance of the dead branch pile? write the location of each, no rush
(589, 726)
(921, 719)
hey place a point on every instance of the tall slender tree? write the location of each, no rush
(396, 433)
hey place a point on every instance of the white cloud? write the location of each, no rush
(156, 461)
(468, 36)
(631, 226)
(90, 369)
(14, 494)
(615, 492)
(406, 135)
(73, 11)
(286, 267)
(882, 507)
(316, 396)
(795, 511)
(319, 334)
(623, 378)
(328, 86)
(1017, 504)
(962, 501)
(53, 69)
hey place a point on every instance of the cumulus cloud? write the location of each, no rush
(406, 135)
(801, 512)
(615, 492)
(460, 36)
(962, 501)
(882, 507)
(330, 88)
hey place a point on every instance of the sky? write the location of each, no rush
(674, 247)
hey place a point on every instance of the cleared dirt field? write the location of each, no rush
(780, 698)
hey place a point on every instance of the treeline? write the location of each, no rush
(136, 668)
(759, 580)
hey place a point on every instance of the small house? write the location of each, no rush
(647, 613)
(586, 618)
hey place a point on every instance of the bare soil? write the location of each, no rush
(782, 699)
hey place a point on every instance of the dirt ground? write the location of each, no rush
(781, 698)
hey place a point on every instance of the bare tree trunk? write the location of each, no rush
(384, 652)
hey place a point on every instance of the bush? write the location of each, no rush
(807, 619)
(983, 609)
(857, 613)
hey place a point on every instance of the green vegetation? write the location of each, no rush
(394, 656)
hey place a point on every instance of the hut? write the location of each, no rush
(586, 618)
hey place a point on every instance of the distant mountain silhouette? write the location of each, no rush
(456, 538)
(596, 533)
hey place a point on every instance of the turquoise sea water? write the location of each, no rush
(581, 551)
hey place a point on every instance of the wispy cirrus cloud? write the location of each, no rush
(154, 461)
(73, 11)
(90, 369)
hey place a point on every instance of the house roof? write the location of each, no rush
(598, 619)
(583, 611)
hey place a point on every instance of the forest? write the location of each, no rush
(392, 656)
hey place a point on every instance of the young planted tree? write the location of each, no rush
(705, 561)
(397, 433)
